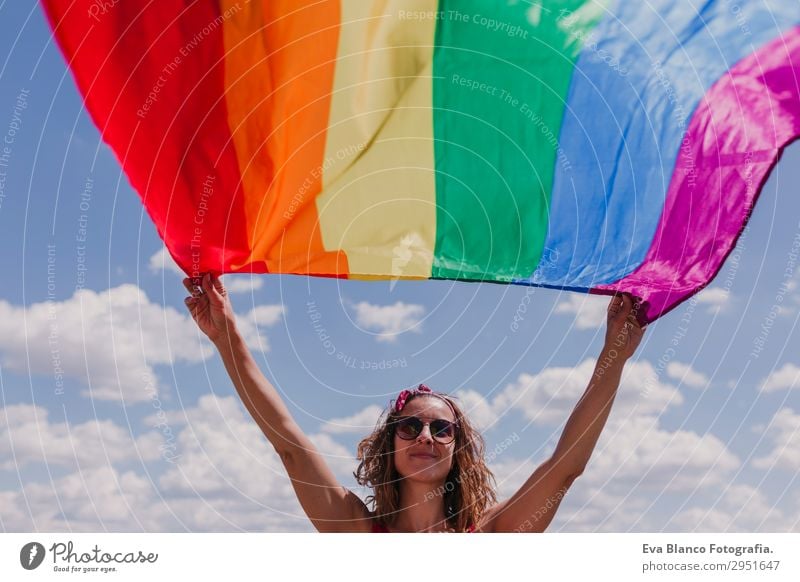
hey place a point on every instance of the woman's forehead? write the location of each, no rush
(429, 406)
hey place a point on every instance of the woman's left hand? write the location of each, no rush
(623, 333)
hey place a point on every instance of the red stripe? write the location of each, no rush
(152, 78)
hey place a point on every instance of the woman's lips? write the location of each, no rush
(423, 455)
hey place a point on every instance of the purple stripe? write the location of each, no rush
(736, 136)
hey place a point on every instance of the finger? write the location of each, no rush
(193, 285)
(623, 308)
(191, 304)
(204, 282)
(190, 287)
(220, 288)
(195, 299)
(197, 305)
(213, 292)
(615, 304)
(631, 306)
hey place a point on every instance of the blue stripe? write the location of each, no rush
(630, 101)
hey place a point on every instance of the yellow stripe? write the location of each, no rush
(379, 198)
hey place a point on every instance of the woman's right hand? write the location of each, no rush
(211, 307)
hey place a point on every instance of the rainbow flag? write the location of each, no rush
(594, 146)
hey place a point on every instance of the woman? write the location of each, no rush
(424, 461)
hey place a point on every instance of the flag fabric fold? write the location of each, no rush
(595, 146)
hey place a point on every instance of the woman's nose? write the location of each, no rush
(425, 434)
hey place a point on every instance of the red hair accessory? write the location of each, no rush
(404, 395)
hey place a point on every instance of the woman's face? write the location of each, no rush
(425, 459)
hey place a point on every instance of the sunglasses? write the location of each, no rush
(409, 427)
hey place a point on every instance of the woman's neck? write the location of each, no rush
(421, 509)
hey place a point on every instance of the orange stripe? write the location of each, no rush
(280, 58)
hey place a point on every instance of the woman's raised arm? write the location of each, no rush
(532, 508)
(329, 505)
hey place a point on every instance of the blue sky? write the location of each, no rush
(117, 416)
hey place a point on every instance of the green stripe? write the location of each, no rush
(501, 74)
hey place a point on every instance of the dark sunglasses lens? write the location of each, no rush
(409, 428)
(442, 429)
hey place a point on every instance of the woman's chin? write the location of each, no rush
(429, 475)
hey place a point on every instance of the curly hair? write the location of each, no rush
(468, 489)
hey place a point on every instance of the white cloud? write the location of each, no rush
(110, 340)
(480, 411)
(362, 422)
(225, 457)
(94, 499)
(637, 449)
(735, 509)
(242, 283)
(784, 433)
(588, 508)
(341, 460)
(27, 436)
(548, 397)
(226, 477)
(792, 286)
(715, 297)
(389, 320)
(687, 375)
(590, 310)
(223, 450)
(258, 317)
(95, 495)
(511, 472)
(163, 261)
(788, 377)
(637, 461)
